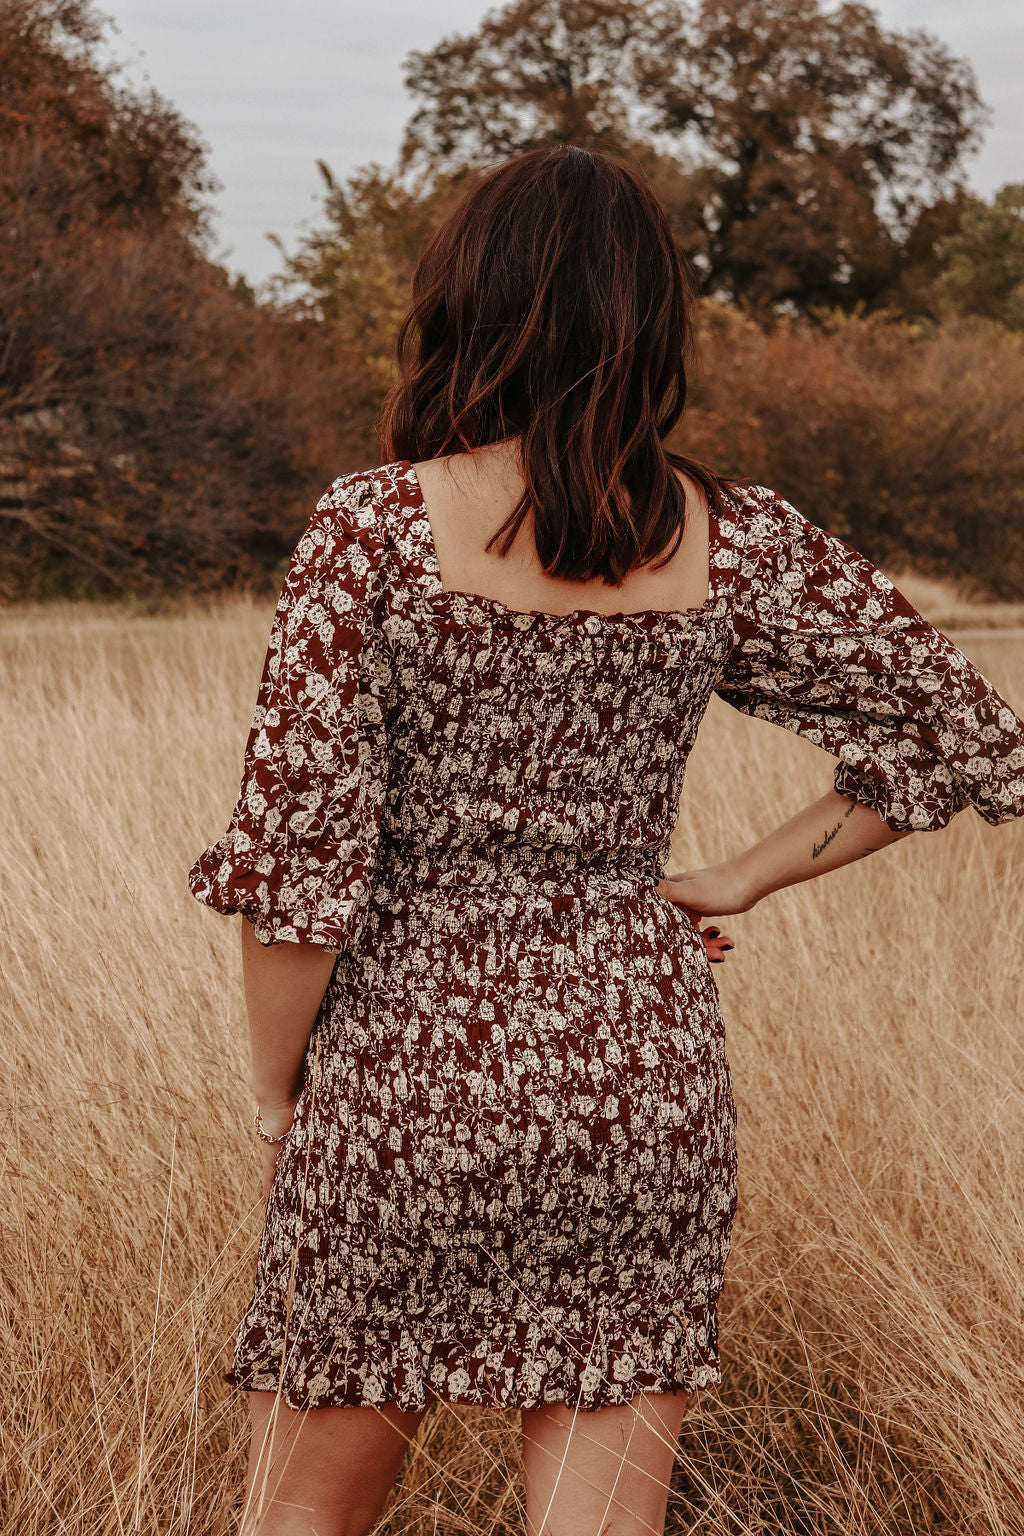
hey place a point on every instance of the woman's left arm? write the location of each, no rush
(298, 855)
(826, 646)
(284, 987)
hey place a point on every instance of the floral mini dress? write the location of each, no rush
(512, 1174)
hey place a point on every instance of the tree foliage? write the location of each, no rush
(905, 439)
(982, 261)
(158, 430)
(76, 141)
(164, 428)
(353, 271)
(796, 147)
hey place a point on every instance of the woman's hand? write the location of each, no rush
(714, 892)
(276, 1118)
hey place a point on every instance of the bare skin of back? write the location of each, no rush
(469, 495)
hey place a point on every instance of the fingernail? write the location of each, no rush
(728, 946)
(719, 960)
(714, 932)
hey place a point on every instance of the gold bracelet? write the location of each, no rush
(271, 1141)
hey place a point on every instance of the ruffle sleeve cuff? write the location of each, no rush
(288, 899)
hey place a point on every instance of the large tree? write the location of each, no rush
(796, 148)
(157, 428)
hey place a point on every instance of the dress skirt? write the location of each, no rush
(512, 1177)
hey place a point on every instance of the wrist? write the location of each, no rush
(275, 1119)
(275, 1105)
(746, 880)
(270, 1093)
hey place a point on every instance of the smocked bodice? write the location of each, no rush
(408, 738)
(532, 741)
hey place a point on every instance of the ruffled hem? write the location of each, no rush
(521, 1366)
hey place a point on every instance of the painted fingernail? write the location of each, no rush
(728, 946)
(718, 961)
(714, 932)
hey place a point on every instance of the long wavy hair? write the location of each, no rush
(552, 305)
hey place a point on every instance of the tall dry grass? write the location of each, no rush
(871, 1320)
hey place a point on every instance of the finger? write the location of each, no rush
(670, 890)
(717, 947)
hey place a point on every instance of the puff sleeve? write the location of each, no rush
(297, 857)
(825, 645)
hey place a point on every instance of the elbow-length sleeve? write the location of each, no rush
(824, 644)
(297, 857)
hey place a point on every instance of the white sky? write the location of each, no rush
(273, 88)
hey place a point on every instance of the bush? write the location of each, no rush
(908, 441)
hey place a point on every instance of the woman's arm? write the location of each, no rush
(827, 834)
(284, 987)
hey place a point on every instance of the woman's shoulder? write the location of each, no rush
(765, 517)
(352, 504)
(776, 536)
(344, 540)
(795, 572)
(352, 520)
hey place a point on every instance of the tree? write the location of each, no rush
(352, 272)
(796, 148)
(537, 71)
(982, 262)
(128, 156)
(158, 430)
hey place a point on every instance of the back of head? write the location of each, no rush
(551, 306)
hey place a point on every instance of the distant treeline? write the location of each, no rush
(164, 429)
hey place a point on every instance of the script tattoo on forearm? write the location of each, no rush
(820, 847)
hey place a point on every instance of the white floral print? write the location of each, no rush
(512, 1175)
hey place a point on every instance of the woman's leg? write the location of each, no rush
(604, 1473)
(322, 1471)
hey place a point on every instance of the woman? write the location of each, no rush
(497, 1114)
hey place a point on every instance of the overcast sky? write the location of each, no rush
(272, 88)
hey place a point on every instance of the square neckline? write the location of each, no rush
(454, 596)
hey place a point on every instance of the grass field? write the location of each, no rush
(872, 1315)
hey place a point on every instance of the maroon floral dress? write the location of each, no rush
(512, 1173)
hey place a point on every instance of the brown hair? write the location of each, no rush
(552, 304)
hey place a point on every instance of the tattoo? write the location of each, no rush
(820, 847)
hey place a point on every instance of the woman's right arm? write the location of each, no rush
(826, 646)
(825, 835)
(297, 857)
(284, 988)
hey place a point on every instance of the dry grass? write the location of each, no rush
(949, 608)
(871, 1319)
